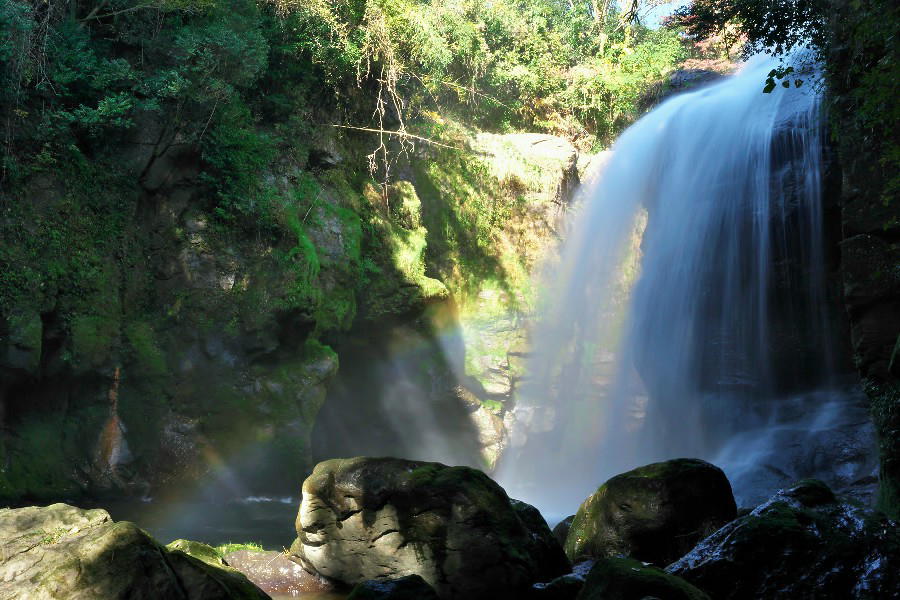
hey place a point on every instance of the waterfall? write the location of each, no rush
(724, 348)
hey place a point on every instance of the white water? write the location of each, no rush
(727, 349)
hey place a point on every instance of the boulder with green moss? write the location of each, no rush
(629, 579)
(802, 543)
(386, 518)
(655, 513)
(61, 551)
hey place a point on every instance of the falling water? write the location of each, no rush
(727, 348)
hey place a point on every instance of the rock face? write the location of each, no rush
(385, 518)
(65, 552)
(654, 513)
(629, 579)
(802, 543)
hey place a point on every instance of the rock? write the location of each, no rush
(411, 587)
(564, 587)
(198, 550)
(548, 550)
(384, 518)
(629, 579)
(275, 573)
(655, 513)
(561, 531)
(802, 543)
(61, 551)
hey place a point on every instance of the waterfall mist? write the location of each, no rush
(726, 348)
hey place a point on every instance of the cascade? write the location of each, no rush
(727, 347)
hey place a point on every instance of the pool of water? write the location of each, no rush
(267, 521)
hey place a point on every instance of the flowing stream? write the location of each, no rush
(729, 346)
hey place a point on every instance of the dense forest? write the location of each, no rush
(228, 228)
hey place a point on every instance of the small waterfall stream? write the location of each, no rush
(730, 348)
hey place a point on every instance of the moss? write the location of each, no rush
(225, 549)
(199, 550)
(885, 406)
(149, 359)
(625, 578)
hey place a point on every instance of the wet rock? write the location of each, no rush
(275, 573)
(411, 587)
(655, 513)
(385, 518)
(629, 579)
(802, 543)
(61, 551)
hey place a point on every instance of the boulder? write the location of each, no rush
(61, 551)
(629, 579)
(386, 518)
(564, 587)
(561, 531)
(411, 587)
(655, 513)
(802, 543)
(276, 574)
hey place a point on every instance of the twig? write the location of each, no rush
(476, 92)
(399, 133)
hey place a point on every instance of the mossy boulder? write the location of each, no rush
(655, 513)
(629, 579)
(411, 587)
(561, 531)
(802, 543)
(386, 518)
(61, 551)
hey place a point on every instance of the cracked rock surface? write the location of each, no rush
(63, 552)
(386, 518)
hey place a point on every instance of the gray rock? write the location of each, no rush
(61, 551)
(385, 518)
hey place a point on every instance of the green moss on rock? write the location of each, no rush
(629, 579)
(654, 513)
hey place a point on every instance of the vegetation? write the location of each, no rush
(184, 183)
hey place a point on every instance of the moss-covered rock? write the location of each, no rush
(61, 551)
(654, 513)
(384, 518)
(802, 543)
(629, 579)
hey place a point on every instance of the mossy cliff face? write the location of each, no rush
(144, 338)
(863, 85)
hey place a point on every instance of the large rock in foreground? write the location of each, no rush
(802, 543)
(654, 513)
(60, 551)
(386, 518)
